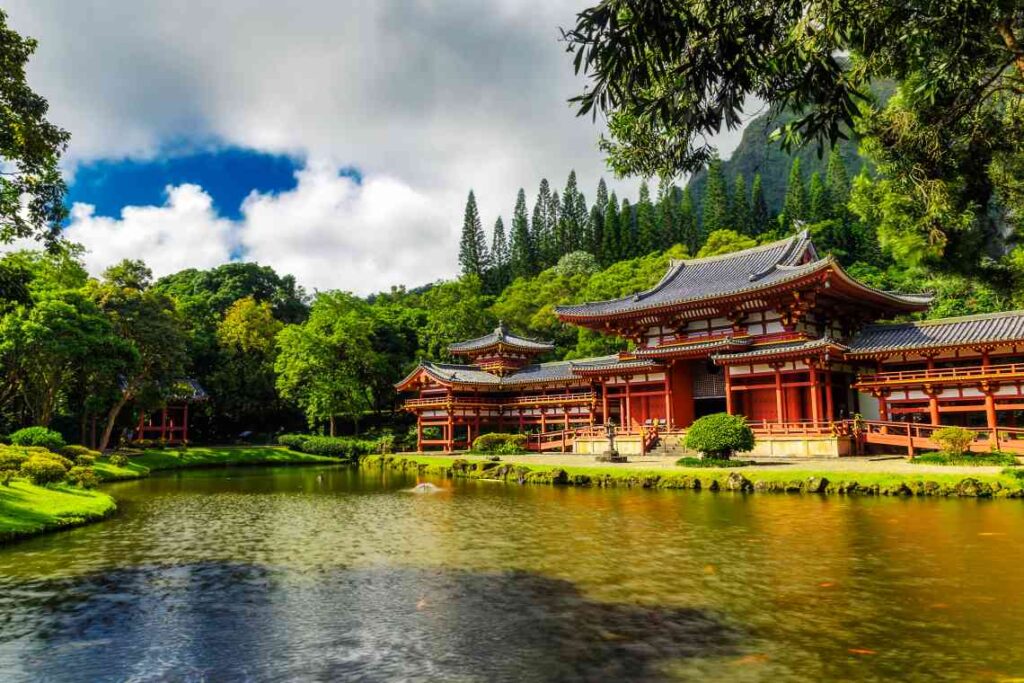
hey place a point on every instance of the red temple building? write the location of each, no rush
(776, 333)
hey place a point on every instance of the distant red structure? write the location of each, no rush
(169, 423)
(776, 333)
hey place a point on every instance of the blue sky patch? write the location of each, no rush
(227, 175)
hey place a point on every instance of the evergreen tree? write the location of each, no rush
(627, 231)
(794, 206)
(818, 207)
(759, 216)
(549, 249)
(716, 201)
(667, 214)
(742, 216)
(688, 231)
(647, 239)
(611, 244)
(584, 236)
(473, 256)
(522, 260)
(540, 223)
(597, 219)
(499, 256)
(837, 183)
(573, 218)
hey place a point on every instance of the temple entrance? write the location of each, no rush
(708, 406)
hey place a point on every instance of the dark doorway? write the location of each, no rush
(708, 406)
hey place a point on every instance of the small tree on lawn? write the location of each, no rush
(955, 441)
(720, 435)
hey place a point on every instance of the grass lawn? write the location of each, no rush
(26, 509)
(626, 473)
(172, 459)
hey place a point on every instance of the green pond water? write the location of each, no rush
(335, 574)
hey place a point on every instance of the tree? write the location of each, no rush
(627, 230)
(667, 214)
(31, 186)
(243, 384)
(716, 200)
(551, 250)
(499, 256)
(742, 220)
(794, 206)
(611, 249)
(597, 219)
(648, 236)
(455, 311)
(571, 227)
(720, 435)
(324, 364)
(818, 206)
(724, 242)
(473, 256)
(147, 321)
(540, 236)
(759, 216)
(522, 257)
(689, 231)
(837, 184)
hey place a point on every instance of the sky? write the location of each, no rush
(335, 140)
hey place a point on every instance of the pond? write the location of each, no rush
(335, 573)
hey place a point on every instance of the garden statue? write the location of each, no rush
(611, 454)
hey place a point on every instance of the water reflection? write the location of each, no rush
(819, 588)
(223, 621)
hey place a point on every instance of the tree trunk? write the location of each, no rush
(111, 419)
(331, 422)
(1005, 29)
(83, 420)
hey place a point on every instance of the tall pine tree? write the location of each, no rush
(521, 257)
(818, 206)
(794, 206)
(597, 220)
(667, 214)
(759, 215)
(550, 252)
(611, 246)
(499, 256)
(837, 182)
(742, 216)
(473, 256)
(539, 237)
(715, 214)
(627, 231)
(647, 239)
(688, 230)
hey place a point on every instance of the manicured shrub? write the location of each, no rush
(497, 442)
(83, 477)
(38, 436)
(85, 460)
(690, 461)
(720, 435)
(11, 459)
(118, 460)
(954, 440)
(6, 476)
(42, 470)
(339, 446)
(1015, 472)
(293, 441)
(386, 444)
(148, 444)
(73, 451)
(991, 459)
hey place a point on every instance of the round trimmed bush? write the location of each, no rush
(955, 441)
(11, 459)
(720, 435)
(42, 470)
(83, 477)
(118, 460)
(497, 442)
(85, 460)
(38, 436)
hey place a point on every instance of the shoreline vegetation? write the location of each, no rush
(743, 479)
(28, 510)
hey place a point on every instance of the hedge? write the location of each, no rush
(344, 447)
(720, 435)
(38, 436)
(42, 470)
(503, 444)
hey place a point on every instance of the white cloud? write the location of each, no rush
(428, 98)
(331, 230)
(183, 233)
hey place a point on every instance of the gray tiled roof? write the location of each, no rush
(710, 345)
(969, 329)
(612, 363)
(501, 335)
(787, 347)
(708, 278)
(556, 371)
(461, 374)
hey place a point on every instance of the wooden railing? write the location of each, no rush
(516, 402)
(940, 375)
(442, 401)
(794, 428)
(550, 399)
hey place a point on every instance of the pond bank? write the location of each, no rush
(747, 479)
(28, 510)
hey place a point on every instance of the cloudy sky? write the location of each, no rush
(332, 139)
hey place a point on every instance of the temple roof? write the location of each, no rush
(762, 267)
(693, 347)
(500, 336)
(987, 328)
(781, 349)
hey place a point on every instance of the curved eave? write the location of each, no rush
(899, 302)
(694, 349)
(769, 354)
(455, 350)
(885, 351)
(405, 383)
(612, 370)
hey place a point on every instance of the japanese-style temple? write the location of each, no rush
(776, 333)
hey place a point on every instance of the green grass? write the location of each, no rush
(26, 509)
(172, 459)
(683, 477)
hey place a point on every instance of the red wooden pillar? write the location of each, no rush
(184, 423)
(829, 415)
(163, 424)
(883, 408)
(520, 420)
(933, 405)
(668, 395)
(780, 411)
(604, 402)
(419, 432)
(450, 437)
(813, 389)
(728, 390)
(628, 420)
